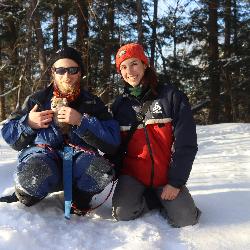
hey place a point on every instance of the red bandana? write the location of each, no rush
(70, 96)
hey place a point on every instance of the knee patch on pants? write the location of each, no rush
(126, 213)
(102, 172)
(32, 175)
(182, 211)
(128, 201)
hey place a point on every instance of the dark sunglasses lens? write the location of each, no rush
(60, 71)
(73, 70)
(70, 70)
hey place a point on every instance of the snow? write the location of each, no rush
(219, 184)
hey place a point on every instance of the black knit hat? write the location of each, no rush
(70, 53)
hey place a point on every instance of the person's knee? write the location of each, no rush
(36, 177)
(183, 217)
(93, 173)
(181, 211)
(125, 213)
(125, 209)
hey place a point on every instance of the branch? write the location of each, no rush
(3, 67)
(8, 92)
(34, 10)
(5, 5)
(200, 105)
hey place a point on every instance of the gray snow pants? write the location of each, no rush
(129, 202)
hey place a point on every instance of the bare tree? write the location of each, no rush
(2, 98)
(82, 33)
(213, 54)
(227, 54)
(55, 16)
(35, 18)
(65, 28)
(139, 21)
(108, 37)
(154, 36)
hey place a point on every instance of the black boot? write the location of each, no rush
(26, 199)
(81, 202)
(9, 198)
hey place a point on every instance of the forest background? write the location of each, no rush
(200, 46)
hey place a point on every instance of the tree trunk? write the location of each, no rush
(235, 27)
(65, 29)
(227, 54)
(13, 54)
(2, 98)
(164, 63)
(2, 102)
(174, 30)
(213, 55)
(139, 21)
(227, 20)
(82, 34)
(235, 51)
(28, 64)
(154, 36)
(44, 78)
(13, 42)
(108, 38)
(175, 64)
(55, 16)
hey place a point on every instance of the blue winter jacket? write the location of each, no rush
(97, 130)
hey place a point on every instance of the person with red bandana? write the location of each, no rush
(161, 151)
(33, 131)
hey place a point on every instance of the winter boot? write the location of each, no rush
(9, 198)
(25, 198)
(81, 202)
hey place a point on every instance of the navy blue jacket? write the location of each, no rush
(97, 131)
(163, 150)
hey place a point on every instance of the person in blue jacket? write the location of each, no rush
(41, 142)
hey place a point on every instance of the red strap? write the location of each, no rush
(80, 148)
(45, 146)
(50, 149)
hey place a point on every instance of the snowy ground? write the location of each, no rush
(219, 183)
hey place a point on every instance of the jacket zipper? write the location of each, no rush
(151, 156)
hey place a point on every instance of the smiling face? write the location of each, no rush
(66, 83)
(132, 71)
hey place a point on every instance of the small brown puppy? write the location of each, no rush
(56, 104)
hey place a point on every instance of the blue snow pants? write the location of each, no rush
(39, 171)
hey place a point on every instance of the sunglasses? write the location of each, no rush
(70, 70)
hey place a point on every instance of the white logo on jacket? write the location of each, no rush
(136, 108)
(157, 108)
